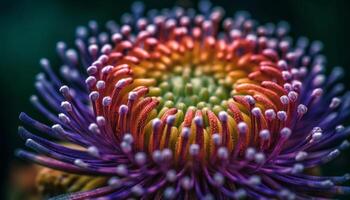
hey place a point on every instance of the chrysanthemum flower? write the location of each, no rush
(180, 105)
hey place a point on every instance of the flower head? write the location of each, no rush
(182, 105)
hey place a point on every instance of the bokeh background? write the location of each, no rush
(30, 30)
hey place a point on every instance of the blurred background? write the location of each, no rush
(30, 30)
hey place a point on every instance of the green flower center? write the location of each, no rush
(185, 87)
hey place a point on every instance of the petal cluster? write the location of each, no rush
(177, 104)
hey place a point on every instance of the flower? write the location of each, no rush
(179, 105)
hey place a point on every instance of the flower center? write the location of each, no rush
(191, 86)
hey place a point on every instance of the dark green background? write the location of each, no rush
(30, 29)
